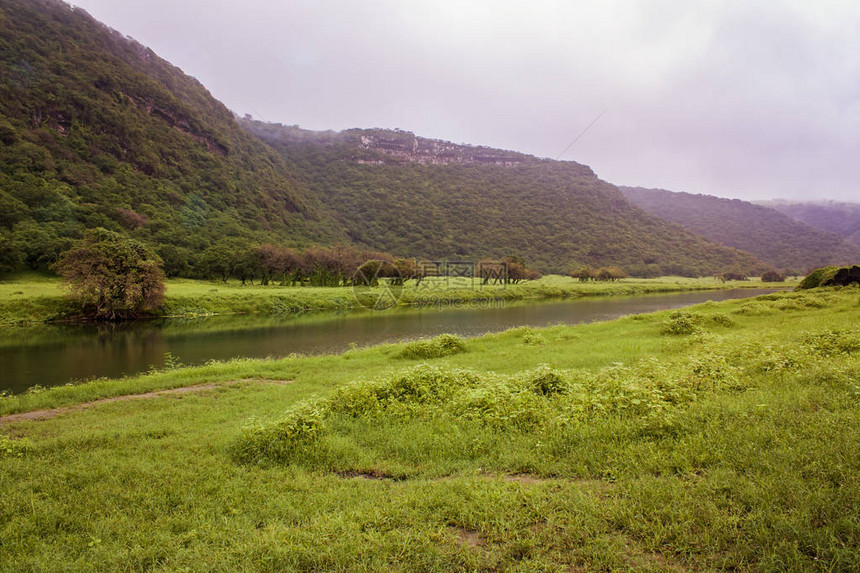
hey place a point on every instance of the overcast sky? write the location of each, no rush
(748, 99)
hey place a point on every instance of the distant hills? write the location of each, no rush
(775, 238)
(97, 130)
(843, 219)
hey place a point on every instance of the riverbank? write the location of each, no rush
(31, 300)
(719, 437)
(52, 355)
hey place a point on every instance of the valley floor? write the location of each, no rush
(720, 437)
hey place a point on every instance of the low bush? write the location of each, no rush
(772, 277)
(281, 441)
(755, 309)
(442, 345)
(833, 342)
(821, 277)
(721, 319)
(10, 448)
(533, 338)
(546, 381)
(681, 323)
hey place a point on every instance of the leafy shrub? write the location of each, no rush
(499, 407)
(359, 399)
(792, 302)
(533, 404)
(713, 372)
(533, 338)
(772, 277)
(423, 384)
(755, 309)
(721, 319)
(681, 323)
(284, 440)
(546, 381)
(833, 342)
(817, 278)
(10, 448)
(442, 345)
(767, 358)
(619, 389)
(426, 384)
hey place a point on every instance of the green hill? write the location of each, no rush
(394, 191)
(96, 130)
(773, 237)
(842, 219)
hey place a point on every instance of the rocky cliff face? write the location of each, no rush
(395, 146)
(405, 146)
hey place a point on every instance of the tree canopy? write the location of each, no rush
(113, 277)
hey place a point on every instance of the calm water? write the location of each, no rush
(57, 354)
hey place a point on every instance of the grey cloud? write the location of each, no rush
(739, 99)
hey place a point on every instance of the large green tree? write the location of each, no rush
(112, 276)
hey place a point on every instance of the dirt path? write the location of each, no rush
(53, 412)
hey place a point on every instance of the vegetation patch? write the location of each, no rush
(833, 342)
(10, 448)
(437, 347)
(461, 406)
(681, 323)
(831, 276)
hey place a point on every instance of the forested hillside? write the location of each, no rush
(777, 239)
(96, 130)
(842, 219)
(552, 214)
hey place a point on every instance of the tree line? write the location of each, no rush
(114, 277)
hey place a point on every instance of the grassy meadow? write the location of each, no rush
(31, 299)
(720, 437)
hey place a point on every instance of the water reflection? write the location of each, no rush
(51, 355)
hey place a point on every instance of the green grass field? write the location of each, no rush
(722, 437)
(32, 299)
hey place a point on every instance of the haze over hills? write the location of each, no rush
(96, 130)
(421, 197)
(775, 238)
(836, 217)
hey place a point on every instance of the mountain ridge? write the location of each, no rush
(839, 217)
(777, 239)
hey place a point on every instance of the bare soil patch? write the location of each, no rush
(468, 537)
(54, 412)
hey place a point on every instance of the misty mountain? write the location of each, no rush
(97, 130)
(775, 238)
(392, 190)
(843, 219)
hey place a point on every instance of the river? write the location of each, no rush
(54, 355)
